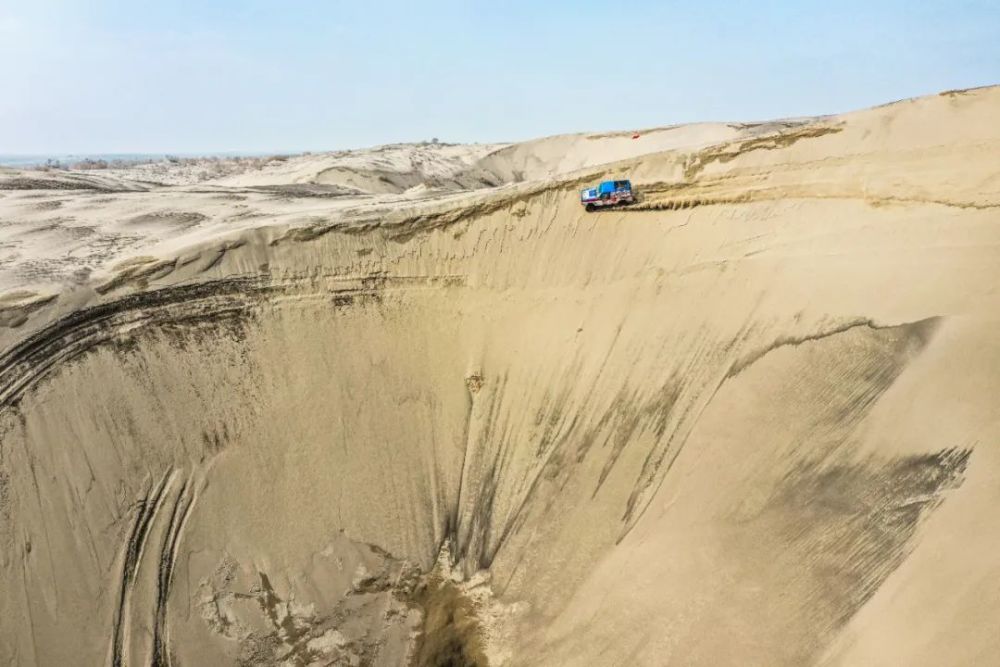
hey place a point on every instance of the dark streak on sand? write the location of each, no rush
(134, 547)
(77, 333)
(165, 573)
(843, 528)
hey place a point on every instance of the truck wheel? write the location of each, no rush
(590, 208)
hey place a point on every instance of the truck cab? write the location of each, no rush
(608, 193)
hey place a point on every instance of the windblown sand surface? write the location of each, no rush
(414, 405)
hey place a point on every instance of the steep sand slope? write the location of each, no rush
(751, 420)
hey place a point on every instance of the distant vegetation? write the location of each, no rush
(213, 163)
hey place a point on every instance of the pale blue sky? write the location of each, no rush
(249, 75)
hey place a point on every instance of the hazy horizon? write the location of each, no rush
(260, 77)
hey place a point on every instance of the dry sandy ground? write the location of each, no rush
(414, 405)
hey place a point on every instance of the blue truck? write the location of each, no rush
(608, 193)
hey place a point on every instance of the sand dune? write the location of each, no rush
(414, 405)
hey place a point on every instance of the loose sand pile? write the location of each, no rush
(413, 404)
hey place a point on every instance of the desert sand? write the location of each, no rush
(414, 405)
